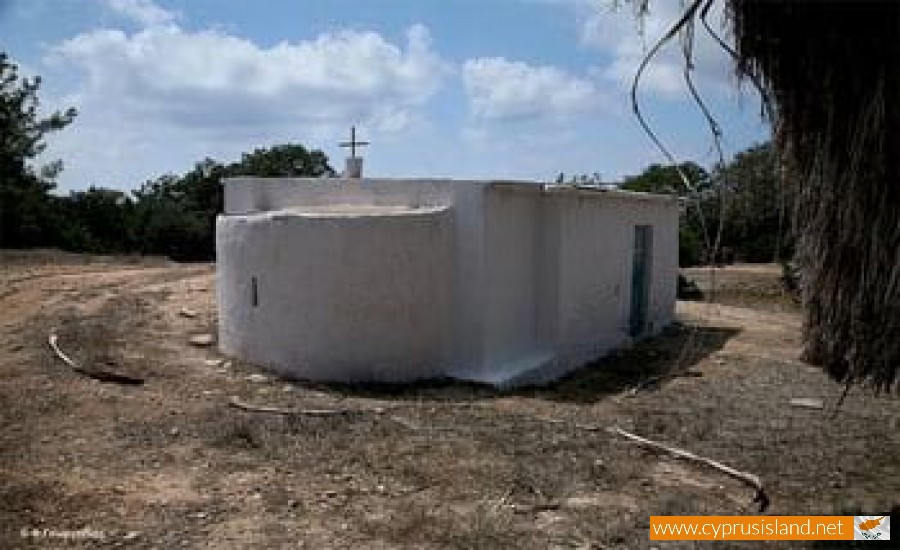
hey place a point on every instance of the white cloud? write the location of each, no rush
(500, 89)
(616, 32)
(143, 12)
(209, 78)
(213, 93)
(162, 97)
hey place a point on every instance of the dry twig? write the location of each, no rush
(747, 478)
(238, 404)
(101, 375)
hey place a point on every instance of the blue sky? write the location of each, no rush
(520, 89)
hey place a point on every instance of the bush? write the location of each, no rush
(687, 289)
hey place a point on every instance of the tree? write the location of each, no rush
(828, 75)
(756, 207)
(831, 70)
(176, 215)
(96, 220)
(665, 179)
(26, 214)
(283, 160)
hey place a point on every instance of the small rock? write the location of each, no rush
(331, 493)
(257, 378)
(287, 388)
(201, 340)
(131, 535)
(174, 431)
(189, 313)
(213, 362)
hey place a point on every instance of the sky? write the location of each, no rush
(506, 89)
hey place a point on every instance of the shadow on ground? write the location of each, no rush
(651, 362)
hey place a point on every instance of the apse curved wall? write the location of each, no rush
(337, 292)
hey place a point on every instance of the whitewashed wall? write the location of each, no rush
(339, 295)
(499, 282)
(558, 277)
(514, 284)
(596, 245)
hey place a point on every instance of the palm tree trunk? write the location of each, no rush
(833, 73)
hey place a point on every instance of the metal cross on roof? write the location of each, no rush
(353, 144)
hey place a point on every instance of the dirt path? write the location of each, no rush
(170, 464)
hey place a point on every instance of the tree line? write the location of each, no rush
(741, 204)
(741, 209)
(173, 215)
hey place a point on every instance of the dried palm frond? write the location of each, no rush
(829, 74)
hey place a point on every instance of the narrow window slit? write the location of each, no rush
(254, 292)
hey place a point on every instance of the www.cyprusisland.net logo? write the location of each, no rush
(872, 527)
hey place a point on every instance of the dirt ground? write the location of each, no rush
(755, 286)
(169, 464)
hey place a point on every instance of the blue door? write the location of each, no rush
(640, 278)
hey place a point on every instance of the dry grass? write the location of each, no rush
(465, 467)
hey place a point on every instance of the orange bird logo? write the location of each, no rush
(871, 523)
